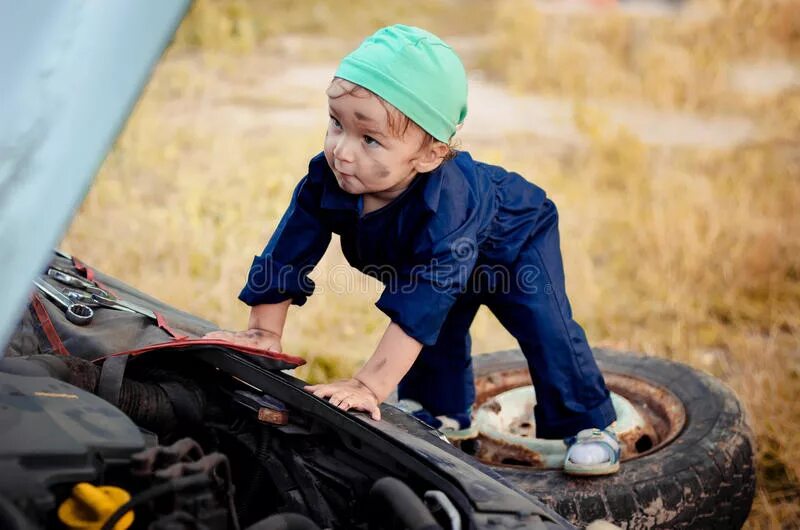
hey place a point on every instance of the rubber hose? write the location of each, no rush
(154, 492)
(393, 497)
(285, 521)
(250, 496)
(148, 405)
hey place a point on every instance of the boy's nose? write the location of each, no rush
(343, 150)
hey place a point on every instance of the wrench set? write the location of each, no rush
(78, 296)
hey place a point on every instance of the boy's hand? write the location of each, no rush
(349, 394)
(254, 338)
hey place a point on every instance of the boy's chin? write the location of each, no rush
(349, 185)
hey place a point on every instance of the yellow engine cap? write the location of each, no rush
(90, 506)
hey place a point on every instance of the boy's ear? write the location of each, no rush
(430, 157)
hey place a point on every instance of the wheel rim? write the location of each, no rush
(649, 417)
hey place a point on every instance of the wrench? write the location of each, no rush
(111, 302)
(76, 312)
(75, 281)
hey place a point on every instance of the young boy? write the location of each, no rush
(446, 234)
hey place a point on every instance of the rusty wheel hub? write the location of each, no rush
(648, 417)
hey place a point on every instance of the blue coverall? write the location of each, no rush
(463, 235)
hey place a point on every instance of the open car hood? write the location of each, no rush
(72, 72)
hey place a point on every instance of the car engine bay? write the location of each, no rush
(224, 456)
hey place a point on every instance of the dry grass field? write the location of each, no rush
(669, 139)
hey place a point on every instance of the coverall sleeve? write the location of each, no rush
(298, 243)
(440, 269)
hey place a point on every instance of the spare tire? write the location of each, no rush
(700, 476)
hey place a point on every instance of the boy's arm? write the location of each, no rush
(393, 357)
(278, 277)
(265, 328)
(294, 248)
(269, 317)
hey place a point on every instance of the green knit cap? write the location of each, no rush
(415, 71)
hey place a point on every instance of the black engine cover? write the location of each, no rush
(55, 434)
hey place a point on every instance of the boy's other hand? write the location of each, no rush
(349, 394)
(254, 338)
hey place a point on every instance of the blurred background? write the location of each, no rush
(667, 132)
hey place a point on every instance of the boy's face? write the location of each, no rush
(365, 155)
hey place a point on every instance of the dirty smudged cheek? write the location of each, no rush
(380, 170)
